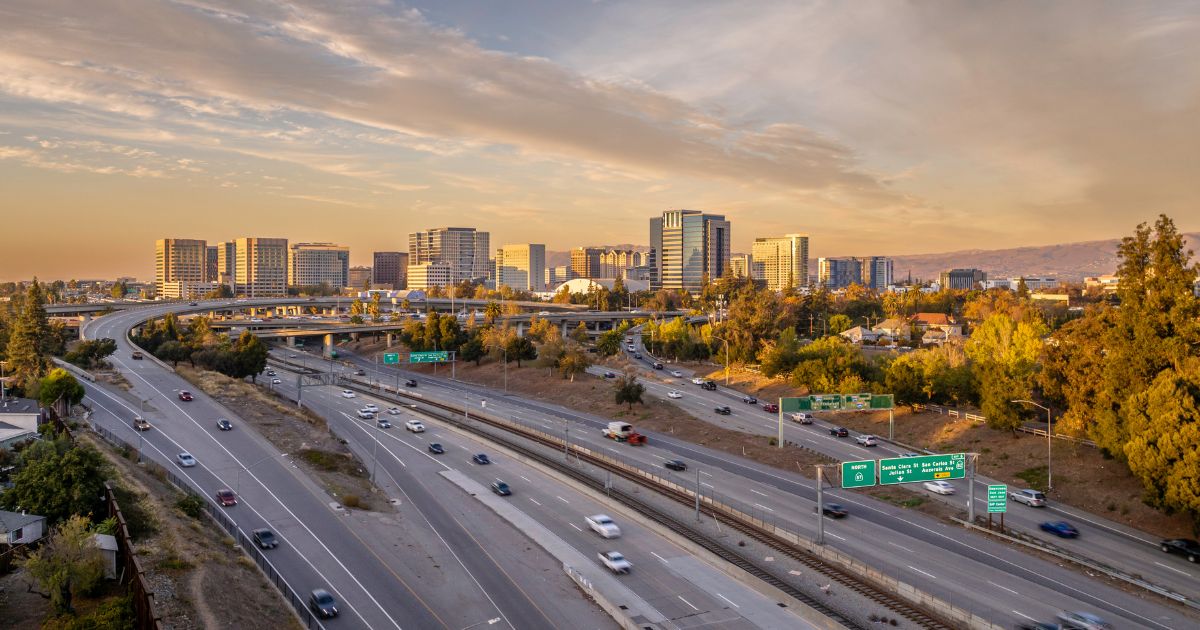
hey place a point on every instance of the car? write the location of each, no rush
(615, 562)
(410, 382)
(658, 366)
(224, 425)
(270, 372)
(609, 375)
(436, 449)
(265, 538)
(186, 460)
(348, 394)
(1082, 621)
(637, 355)
(383, 424)
(193, 304)
(1037, 625)
(1185, 547)
(676, 373)
(675, 464)
(910, 454)
(1062, 529)
(322, 603)
(276, 381)
(839, 432)
(415, 426)
(226, 497)
(866, 440)
(140, 424)
(481, 459)
(674, 394)
(393, 411)
(372, 407)
(366, 414)
(771, 408)
(939, 487)
(136, 356)
(543, 312)
(834, 510)
(708, 386)
(802, 417)
(1032, 498)
(360, 372)
(723, 410)
(697, 380)
(602, 524)
(501, 488)
(750, 400)
(185, 396)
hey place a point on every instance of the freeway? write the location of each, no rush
(672, 587)
(1100, 540)
(378, 586)
(970, 570)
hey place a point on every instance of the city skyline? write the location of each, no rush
(874, 128)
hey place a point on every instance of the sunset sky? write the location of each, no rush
(877, 127)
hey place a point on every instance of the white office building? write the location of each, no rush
(521, 267)
(465, 250)
(429, 274)
(180, 268)
(784, 260)
(316, 264)
(261, 267)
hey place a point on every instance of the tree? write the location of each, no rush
(57, 479)
(28, 339)
(542, 330)
(609, 343)
(580, 334)
(472, 350)
(68, 564)
(1022, 289)
(173, 351)
(373, 308)
(905, 379)
(357, 307)
(574, 362)
(1006, 354)
(491, 312)
(520, 348)
(59, 383)
(780, 356)
(118, 290)
(91, 353)
(839, 323)
(628, 390)
(251, 358)
(1164, 429)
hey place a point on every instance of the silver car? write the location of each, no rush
(1032, 498)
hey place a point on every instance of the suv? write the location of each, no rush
(415, 426)
(140, 424)
(802, 417)
(366, 414)
(749, 400)
(603, 525)
(1032, 498)
(226, 497)
(771, 408)
(724, 410)
(839, 432)
(501, 488)
(709, 385)
(866, 440)
(658, 366)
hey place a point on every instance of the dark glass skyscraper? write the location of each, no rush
(687, 247)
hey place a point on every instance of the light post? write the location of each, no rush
(1049, 478)
(505, 351)
(726, 341)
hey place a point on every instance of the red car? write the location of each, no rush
(771, 408)
(226, 497)
(185, 396)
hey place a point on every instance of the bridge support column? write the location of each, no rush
(83, 321)
(354, 336)
(521, 329)
(391, 339)
(328, 344)
(291, 342)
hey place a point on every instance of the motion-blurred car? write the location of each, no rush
(771, 408)
(1185, 547)
(322, 603)
(481, 459)
(436, 448)
(140, 424)
(676, 373)
(501, 488)
(383, 424)
(410, 382)
(415, 426)
(866, 440)
(136, 356)
(366, 414)
(185, 396)
(839, 432)
(347, 393)
(226, 497)
(750, 400)
(939, 487)
(609, 375)
(674, 395)
(1082, 621)
(696, 380)
(265, 538)
(1062, 529)
(615, 561)
(675, 464)
(276, 381)
(602, 524)
(186, 460)
(393, 411)
(224, 425)
(724, 410)
(802, 417)
(834, 510)
(1032, 498)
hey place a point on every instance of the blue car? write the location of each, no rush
(481, 459)
(1062, 529)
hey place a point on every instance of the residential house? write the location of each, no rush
(937, 337)
(17, 528)
(859, 334)
(19, 418)
(893, 328)
(922, 322)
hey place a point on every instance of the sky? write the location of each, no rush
(876, 127)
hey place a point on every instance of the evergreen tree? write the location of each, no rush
(28, 339)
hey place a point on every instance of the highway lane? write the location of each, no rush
(960, 554)
(673, 592)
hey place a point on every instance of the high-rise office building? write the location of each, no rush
(688, 247)
(615, 262)
(359, 277)
(226, 262)
(429, 274)
(963, 279)
(316, 264)
(877, 273)
(521, 267)
(465, 250)
(740, 264)
(261, 267)
(585, 262)
(210, 264)
(180, 267)
(784, 260)
(839, 272)
(558, 275)
(389, 268)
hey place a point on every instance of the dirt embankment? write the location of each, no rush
(298, 432)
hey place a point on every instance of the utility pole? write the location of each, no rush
(820, 507)
(697, 494)
(779, 438)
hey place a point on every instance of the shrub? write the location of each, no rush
(191, 505)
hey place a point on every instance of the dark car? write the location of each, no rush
(224, 425)
(1185, 547)
(136, 356)
(226, 497)
(637, 355)
(410, 382)
(1062, 529)
(675, 464)
(609, 375)
(501, 488)
(709, 385)
(265, 538)
(771, 408)
(658, 366)
(723, 410)
(839, 432)
(360, 372)
(834, 510)
(322, 603)
(436, 448)
(185, 396)
(750, 400)
(192, 304)
(481, 459)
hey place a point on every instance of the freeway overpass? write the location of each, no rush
(296, 304)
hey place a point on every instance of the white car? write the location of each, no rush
(415, 426)
(366, 414)
(347, 393)
(676, 373)
(276, 381)
(696, 380)
(394, 411)
(866, 440)
(372, 407)
(603, 525)
(939, 487)
(615, 561)
(186, 460)
(383, 424)
(674, 394)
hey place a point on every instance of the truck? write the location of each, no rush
(618, 431)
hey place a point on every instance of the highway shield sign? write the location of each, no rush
(922, 468)
(858, 474)
(997, 499)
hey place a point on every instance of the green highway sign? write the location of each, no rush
(391, 358)
(858, 474)
(997, 499)
(922, 468)
(436, 356)
(836, 402)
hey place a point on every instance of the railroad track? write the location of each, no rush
(455, 416)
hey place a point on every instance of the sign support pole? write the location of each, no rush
(820, 508)
(779, 439)
(891, 424)
(697, 494)
(971, 487)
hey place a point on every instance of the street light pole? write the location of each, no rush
(1049, 477)
(726, 342)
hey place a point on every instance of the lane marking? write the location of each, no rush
(577, 527)
(761, 494)
(525, 478)
(925, 573)
(664, 560)
(707, 485)
(534, 500)
(1017, 612)
(901, 547)
(1173, 569)
(728, 600)
(562, 499)
(1003, 587)
(763, 507)
(835, 536)
(688, 603)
